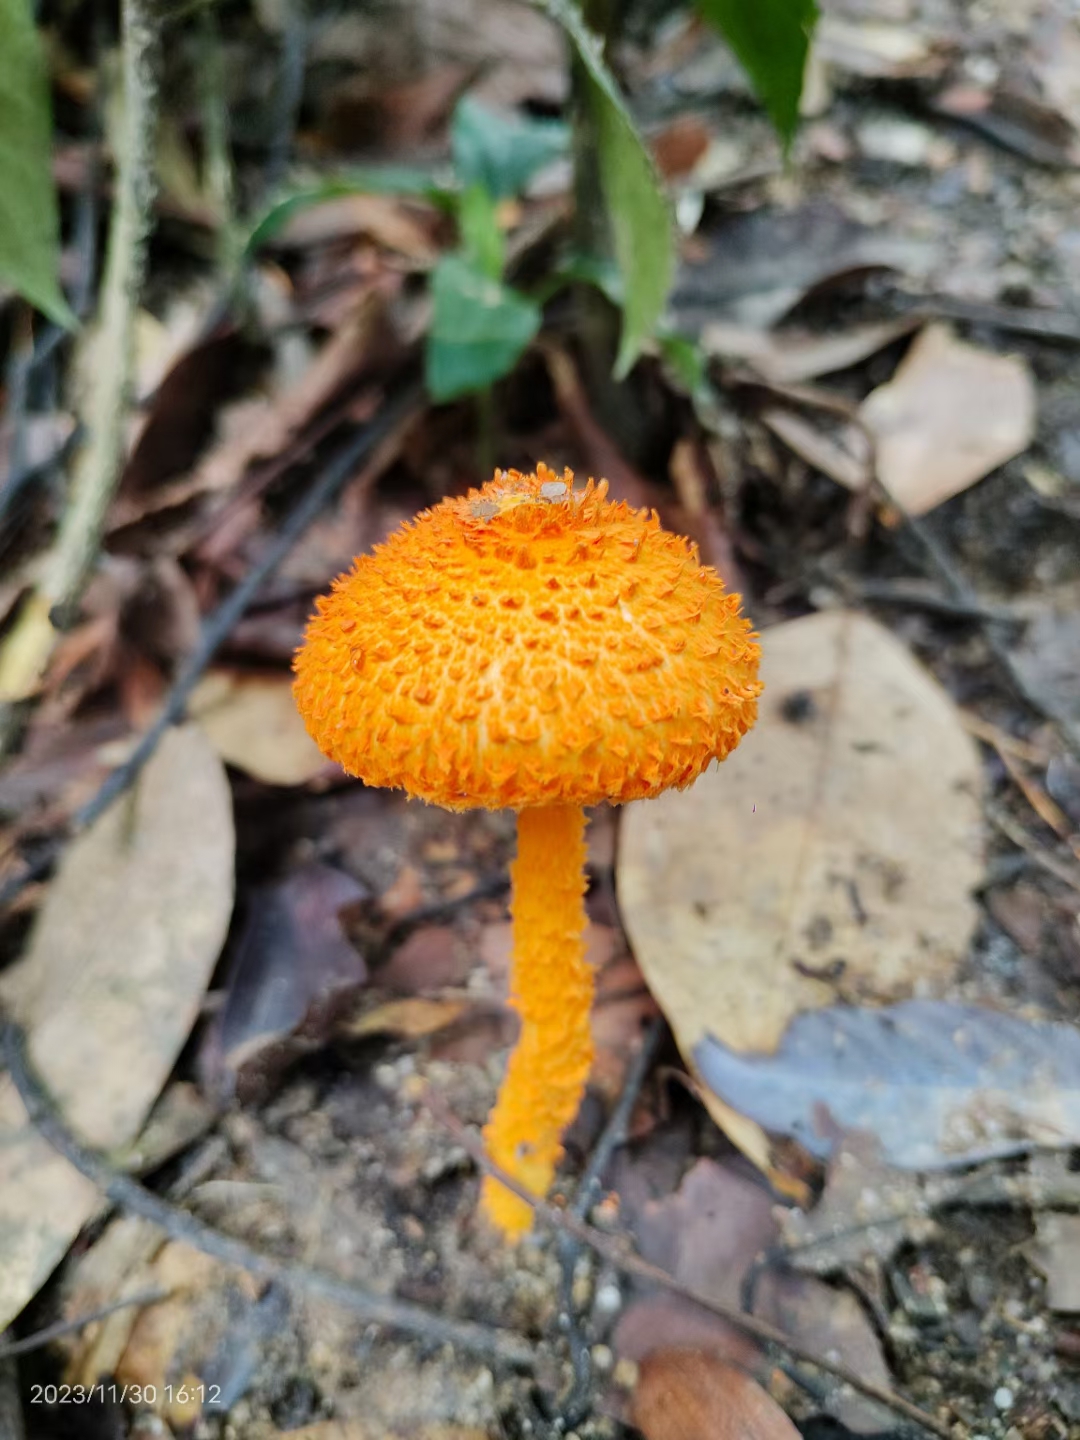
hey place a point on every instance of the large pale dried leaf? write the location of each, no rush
(840, 842)
(687, 1395)
(110, 986)
(950, 415)
(253, 724)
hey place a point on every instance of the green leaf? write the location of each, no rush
(577, 268)
(502, 152)
(771, 39)
(482, 239)
(640, 218)
(378, 180)
(479, 329)
(29, 221)
(687, 367)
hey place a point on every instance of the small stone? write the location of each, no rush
(626, 1374)
(1003, 1398)
(602, 1358)
(385, 1077)
(608, 1299)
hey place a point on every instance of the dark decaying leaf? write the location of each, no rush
(687, 1395)
(939, 1084)
(754, 268)
(715, 1234)
(708, 1234)
(292, 973)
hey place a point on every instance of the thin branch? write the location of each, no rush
(98, 466)
(489, 1342)
(574, 1407)
(628, 1263)
(49, 1333)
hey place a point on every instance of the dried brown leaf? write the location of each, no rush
(688, 1395)
(252, 722)
(950, 415)
(409, 1018)
(390, 222)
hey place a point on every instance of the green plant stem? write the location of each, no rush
(218, 175)
(98, 464)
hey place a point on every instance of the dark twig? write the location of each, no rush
(1054, 325)
(395, 413)
(888, 592)
(67, 1327)
(623, 1259)
(615, 1131)
(129, 1195)
(290, 90)
(575, 1405)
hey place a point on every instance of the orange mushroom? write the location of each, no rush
(541, 648)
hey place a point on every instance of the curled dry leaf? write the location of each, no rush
(937, 1084)
(950, 415)
(253, 723)
(292, 974)
(833, 854)
(791, 357)
(109, 988)
(687, 1395)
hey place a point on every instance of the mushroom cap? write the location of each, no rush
(529, 644)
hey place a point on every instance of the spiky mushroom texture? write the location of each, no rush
(540, 648)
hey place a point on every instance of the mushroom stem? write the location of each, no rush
(552, 990)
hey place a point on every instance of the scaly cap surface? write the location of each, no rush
(529, 644)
